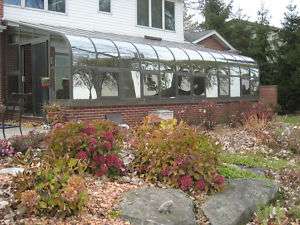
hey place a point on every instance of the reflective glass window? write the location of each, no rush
(126, 49)
(81, 46)
(110, 85)
(206, 56)
(146, 51)
(254, 86)
(168, 85)
(184, 85)
(143, 12)
(224, 82)
(193, 55)
(38, 4)
(156, 7)
(12, 2)
(179, 54)
(169, 15)
(164, 54)
(235, 86)
(212, 83)
(151, 84)
(254, 72)
(218, 57)
(62, 73)
(199, 84)
(57, 5)
(105, 48)
(245, 89)
(131, 84)
(104, 5)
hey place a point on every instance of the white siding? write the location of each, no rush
(84, 14)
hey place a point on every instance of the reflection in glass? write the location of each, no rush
(110, 86)
(169, 15)
(179, 54)
(105, 48)
(254, 72)
(212, 84)
(81, 46)
(156, 7)
(62, 71)
(126, 49)
(164, 54)
(206, 56)
(224, 82)
(57, 5)
(146, 51)
(218, 57)
(245, 89)
(254, 85)
(38, 4)
(131, 84)
(168, 85)
(235, 87)
(184, 85)
(12, 2)
(199, 85)
(104, 5)
(193, 55)
(151, 85)
(143, 12)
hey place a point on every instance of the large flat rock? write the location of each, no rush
(155, 206)
(238, 202)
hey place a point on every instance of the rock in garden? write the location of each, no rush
(238, 202)
(157, 206)
(12, 171)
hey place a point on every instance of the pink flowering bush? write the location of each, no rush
(177, 155)
(97, 143)
(6, 149)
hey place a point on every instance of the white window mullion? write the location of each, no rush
(23, 3)
(150, 13)
(46, 4)
(163, 15)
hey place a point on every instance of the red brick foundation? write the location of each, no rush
(269, 95)
(134, 114)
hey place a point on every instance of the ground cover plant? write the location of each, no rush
(177, 155)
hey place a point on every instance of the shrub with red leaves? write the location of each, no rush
(96, 142)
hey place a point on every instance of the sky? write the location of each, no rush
(250, 8)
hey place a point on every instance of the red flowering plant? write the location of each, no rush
(97, 143)
(177, 155)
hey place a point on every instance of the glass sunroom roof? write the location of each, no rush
(103, 45)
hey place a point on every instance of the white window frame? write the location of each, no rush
(45, 9)
(163, 16)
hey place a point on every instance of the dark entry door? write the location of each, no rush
(39, 56)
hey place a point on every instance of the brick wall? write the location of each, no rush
(212, 43)
(2, 67)
(1, 9)
(269, 95)
(135, 114)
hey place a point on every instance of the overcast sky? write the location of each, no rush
(276, 8)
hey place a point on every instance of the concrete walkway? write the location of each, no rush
(15, 131)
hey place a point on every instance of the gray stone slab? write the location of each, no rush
(156, 206)
(238, 202)
(12, 171)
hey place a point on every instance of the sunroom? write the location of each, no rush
(82, 68)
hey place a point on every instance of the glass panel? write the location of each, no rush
(127, 50)
(235, 71)
(156, 7)
(107, 53)
(146, 51)
(12, 2)
(143, 12)
(110, 86)
(239, 58)
(131, 84)
(193, 55)
(164, 54)
(179, 54)
(81, 46)
(62, 73)
(229, 58)
(184, 85)
(212, 83)
(168, 85)
(104, 5)
(245, 89)
(199, 85)
(245, 72)
(38, 4)
(57, 5)
(254, 72)
(206, 56)
(218, 57)
(254, 86)
(224, 82)
(151, 84)
(169, 15)
(235, 87)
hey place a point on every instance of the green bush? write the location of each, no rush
(54, 189)
(177, 155)
(97, 142)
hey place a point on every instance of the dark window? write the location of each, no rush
(104, 6)
(184, 85)
(156, 7)
(169, 15)
(143, 12)
(57, 5)
(168, 85)
(199, 85)
(12, 2)
(38, 4)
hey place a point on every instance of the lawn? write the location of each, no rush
(290, 119)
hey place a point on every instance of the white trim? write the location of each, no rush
(213, 32)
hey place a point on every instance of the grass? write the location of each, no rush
(234, 172)
(290, 119)
(255, 161)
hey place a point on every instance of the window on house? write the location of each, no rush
(57, 5)
(169, 15)
(143, 12)
(37, 4)
(12, 2)
(104, 6)
(156, 12)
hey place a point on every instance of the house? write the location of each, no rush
(129, 56)
(209, 39)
